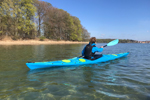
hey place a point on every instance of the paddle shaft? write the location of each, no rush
(105, 46)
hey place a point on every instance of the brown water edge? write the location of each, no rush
(7, 40)
(37, 42)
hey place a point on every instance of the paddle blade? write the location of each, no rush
(114, 42)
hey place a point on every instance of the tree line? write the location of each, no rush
(120, 41)
(28, 19)
(109, 40)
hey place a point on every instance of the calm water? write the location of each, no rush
(127, 78)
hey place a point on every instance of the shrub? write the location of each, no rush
(42, 38)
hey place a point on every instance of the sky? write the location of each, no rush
(115, 19)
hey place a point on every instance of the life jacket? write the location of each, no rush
(88, 51)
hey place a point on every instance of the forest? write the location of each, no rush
(120, 40)
(109, 40)
(30, 19)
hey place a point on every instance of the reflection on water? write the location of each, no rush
(122, 79)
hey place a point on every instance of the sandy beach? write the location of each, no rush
(37, 42)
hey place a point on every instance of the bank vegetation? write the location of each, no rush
(30, 19)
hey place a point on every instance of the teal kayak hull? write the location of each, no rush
(74, 61)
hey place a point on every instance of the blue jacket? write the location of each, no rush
(94, 49)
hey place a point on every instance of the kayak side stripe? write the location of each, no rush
(65, 60)
(82, 60)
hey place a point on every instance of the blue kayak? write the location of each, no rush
(74, 61)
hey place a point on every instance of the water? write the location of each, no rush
(127, 78)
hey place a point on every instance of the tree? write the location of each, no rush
(5, 16)
(28, 11)
(42, 8)
(85, 34)
(77, 29)
(30, 18)
(17, 17)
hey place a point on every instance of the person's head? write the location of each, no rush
(92, 39)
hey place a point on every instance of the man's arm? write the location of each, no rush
(96, 49)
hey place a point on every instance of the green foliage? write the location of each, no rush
(76, 29)
(15, 37)
(85, 34)
(42, 38)
(58, 39)
(18, 17)
(60, 24)
(120, 41)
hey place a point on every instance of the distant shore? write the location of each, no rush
(37, 42)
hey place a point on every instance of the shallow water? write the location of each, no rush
(127, 78)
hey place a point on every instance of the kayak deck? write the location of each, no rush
(74, 61)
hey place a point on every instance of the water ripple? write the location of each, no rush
(123, 79)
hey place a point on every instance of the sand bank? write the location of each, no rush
(37, 42)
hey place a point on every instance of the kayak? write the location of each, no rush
(74, 61)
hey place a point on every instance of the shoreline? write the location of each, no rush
(37, 42)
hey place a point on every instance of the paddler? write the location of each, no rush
(90, 49)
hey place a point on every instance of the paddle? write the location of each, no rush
(114, 42)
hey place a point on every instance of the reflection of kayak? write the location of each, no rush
(74, 61)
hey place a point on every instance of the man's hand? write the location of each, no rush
(102, 47)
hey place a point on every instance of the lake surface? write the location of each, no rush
(127, 78)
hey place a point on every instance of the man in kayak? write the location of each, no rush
(89, 50)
